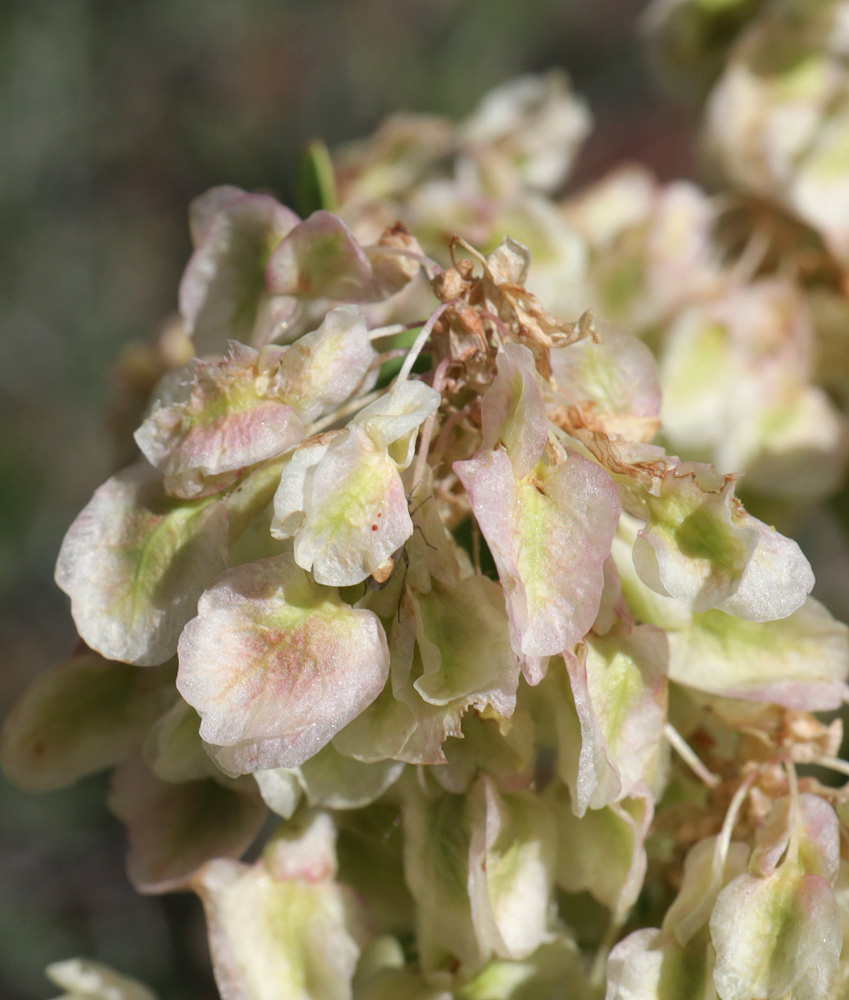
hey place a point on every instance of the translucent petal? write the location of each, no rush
(650, 965)
(701, 547)
(539, 977)
(616, 378)
(706, 871)
(174, 829)
(334, 781)
(801, 661)
(83, 716)
(603, 852)
(437, 839)
(691, 548)
(281, 927)
(465, 646)
(174, 750)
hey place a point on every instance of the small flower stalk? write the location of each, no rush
(441, 550)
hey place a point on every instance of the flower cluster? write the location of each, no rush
(428, 571)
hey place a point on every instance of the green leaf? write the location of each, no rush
(316, 184)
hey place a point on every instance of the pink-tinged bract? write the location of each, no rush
(513, 412)
(549, 534)
(223, 416)
(135, 562)
(323, 368)
(776, 928)
(274, 658)
(321, 259)
(223, 294)
(776, 936)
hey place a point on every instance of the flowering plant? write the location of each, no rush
(414, 559)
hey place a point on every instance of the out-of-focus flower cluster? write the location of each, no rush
(435, 550)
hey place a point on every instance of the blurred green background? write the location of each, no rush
(113, 115)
